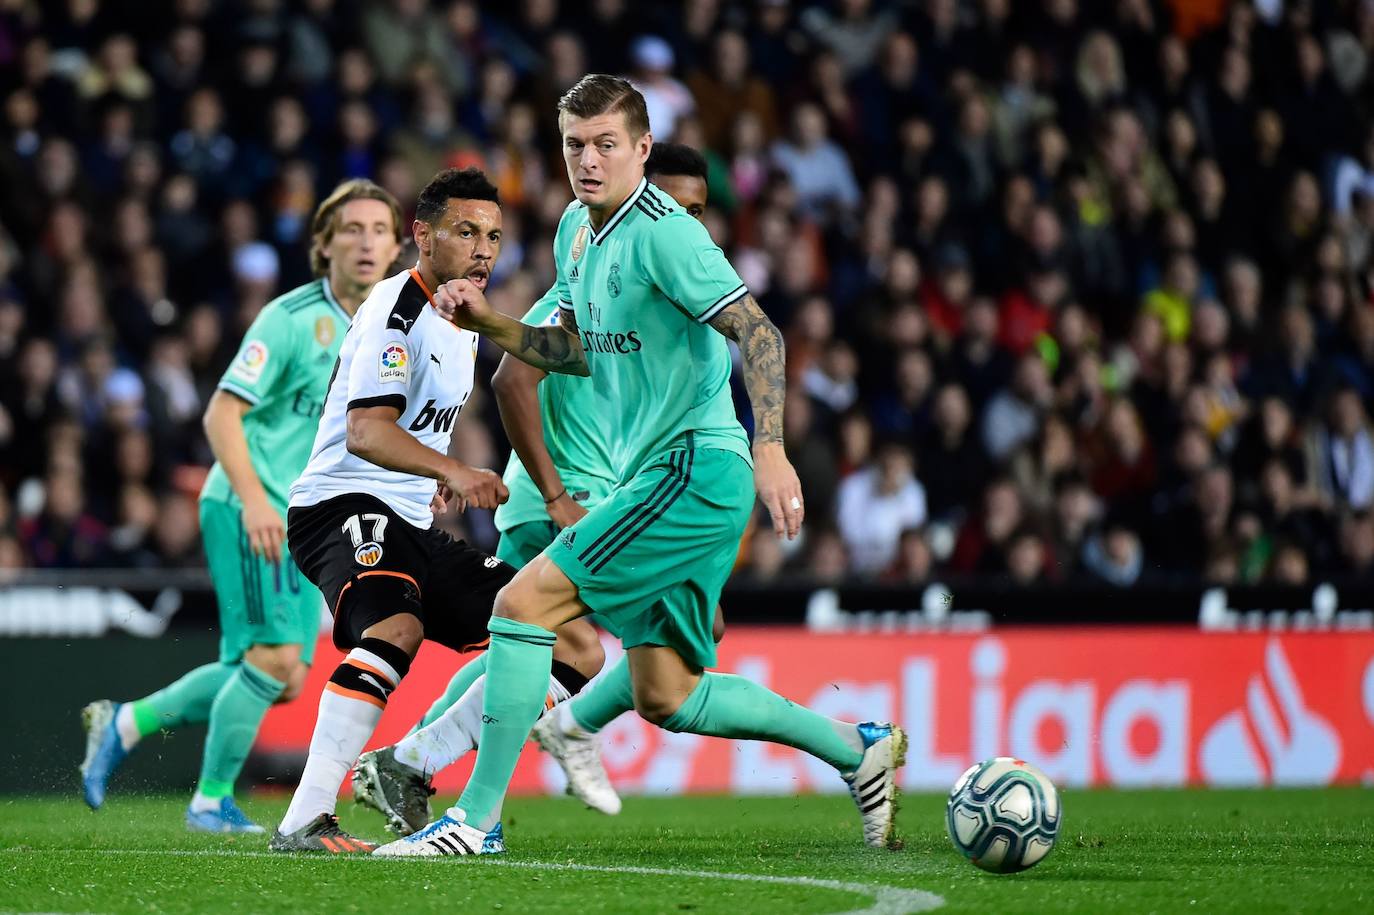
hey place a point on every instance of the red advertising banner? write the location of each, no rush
(1126, 707)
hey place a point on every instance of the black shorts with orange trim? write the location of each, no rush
(371, 564)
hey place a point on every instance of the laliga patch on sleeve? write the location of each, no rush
(395, 364)
(252, 359)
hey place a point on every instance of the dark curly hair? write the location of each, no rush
(452, 183)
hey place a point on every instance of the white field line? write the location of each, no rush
(887, 900)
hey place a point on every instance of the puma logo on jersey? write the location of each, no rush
(402, 324)
(440, 418)
(435, 359)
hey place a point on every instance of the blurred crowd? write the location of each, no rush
(1072, 291)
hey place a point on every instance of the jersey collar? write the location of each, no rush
(619, 215)
(420, 281)
(329, 297)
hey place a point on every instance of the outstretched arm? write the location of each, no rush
(553, 349)
(765, 361)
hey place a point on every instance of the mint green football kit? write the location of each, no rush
(651, 558)
(282, 369)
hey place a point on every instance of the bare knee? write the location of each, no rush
(539, 595)
(656, 705)
(404, 630)
(277, 661)
(514, 602)
(295, 685)
(579, 647)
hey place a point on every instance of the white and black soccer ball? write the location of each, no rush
(1003, 815)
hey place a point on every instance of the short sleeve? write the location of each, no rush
(544, 311)
(564, 240)
(380, 370)
(679, 258)
(265, 355)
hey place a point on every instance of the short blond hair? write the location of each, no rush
(326, 220)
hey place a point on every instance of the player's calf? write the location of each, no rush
(350, 707)
(396, 781)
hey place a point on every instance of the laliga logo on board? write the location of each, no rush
(1135, 735)
(1295, 746)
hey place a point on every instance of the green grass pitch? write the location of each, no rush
(1119, 852)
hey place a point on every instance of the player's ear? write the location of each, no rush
(646, 143)
(420, 230)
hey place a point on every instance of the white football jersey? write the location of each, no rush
(397, 352)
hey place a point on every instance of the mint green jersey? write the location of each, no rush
(282, 369)
(572, 435)
(642, 289)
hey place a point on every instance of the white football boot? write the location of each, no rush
(873, 785)
(580, 757)
(448, 835)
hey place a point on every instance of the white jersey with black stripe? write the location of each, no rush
(397, 352)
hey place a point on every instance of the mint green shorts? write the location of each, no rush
(652, 558)
(523, 542)
(260, 602)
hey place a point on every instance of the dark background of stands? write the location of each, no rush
(1076, 294)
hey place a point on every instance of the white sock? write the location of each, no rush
(568, 724)
(202, 804)
(455, 733)
(444, 741)
(127, 727)
(344, 725)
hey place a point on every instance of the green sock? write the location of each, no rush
(184, 701)
(605, 700)
(234, 719)
(724, 705)
(465, 677)
(518, 665)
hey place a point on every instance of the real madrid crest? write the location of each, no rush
(580, 241)
(613, 281)
(324, 331)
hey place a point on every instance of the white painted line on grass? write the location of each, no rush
(887, 900)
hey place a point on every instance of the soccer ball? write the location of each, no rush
(1003, 815)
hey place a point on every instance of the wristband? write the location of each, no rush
(560, 495)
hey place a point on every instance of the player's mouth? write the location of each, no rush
(478, 277)
(590, 185)
(366, 264)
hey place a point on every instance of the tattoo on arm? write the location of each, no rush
(553, 349)
(765, 361)
(567, 319)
